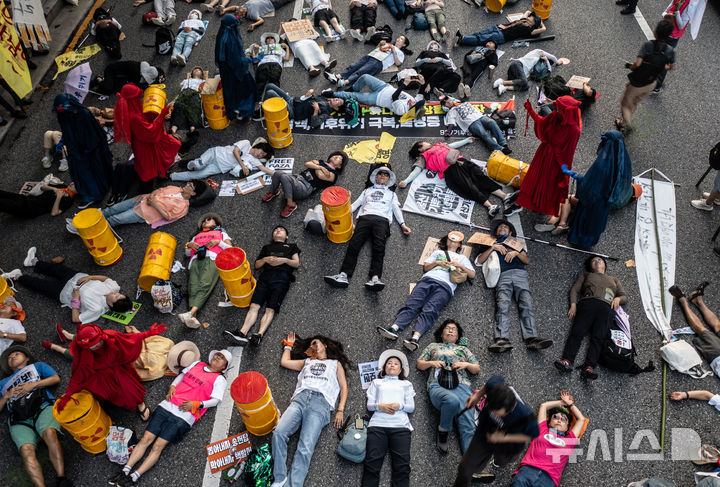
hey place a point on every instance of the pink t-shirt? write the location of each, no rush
(678, 33)
(549, 452)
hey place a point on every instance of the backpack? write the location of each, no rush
(554, 86)
(505, 119)
(619, 353)
(539, 70)
(652, 65)
(384, 33)
(164, 41)
(715, 156)
(353, 440)
(352, 112)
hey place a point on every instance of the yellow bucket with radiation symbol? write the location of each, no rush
(5, 290)
(158, 260)
(506, 169)
(495, 5)
(542, 8)
(85, 420)
(278, 122)
(214, 108)
(254, 402)
(154, 99)
(234, 270)
(338, 213)
(97, 236)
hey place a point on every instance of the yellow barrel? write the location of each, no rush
(214, 108)
(254, 401)
(506, 169)
(154, 99)
(495, 5)
(85, 420)
(97, 236)
(158, 261)
(338, 214)
(5, 290)
(278, 122)
(542, 8)
(234, 270)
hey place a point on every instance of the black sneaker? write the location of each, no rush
(506, 150)
(538, 343)
(255, 339)
(116, 478)
(236, 336)
(442, 441)
(328, 93)
(509, 199)
(411, 344)
(388, 332)
(458, 38)
(512, 209)
(627, 11)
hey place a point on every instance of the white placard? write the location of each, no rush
(368, 372)
(430, 196)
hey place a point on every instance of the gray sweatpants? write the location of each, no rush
(294, 186)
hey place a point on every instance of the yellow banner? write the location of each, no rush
(387, 142)
(370, 151)
(71, 59)
(13, 66)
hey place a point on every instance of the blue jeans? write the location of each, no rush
(480, 38)
(487, 130)
(122, 213)
(450, 402)
(310, 410)
(201, 168)
(428, 298)
(514, 283)
(529, 476)
(672, 42)
(395, 6)
(365, 81)
(274, 91)
(184, 43)
(364, 65)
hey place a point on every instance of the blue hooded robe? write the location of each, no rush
(239, 90)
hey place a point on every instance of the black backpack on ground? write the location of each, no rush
(164, 41)
(652, 66)
(715, 156)
(505, 119)
(384, 33)
(621, 358)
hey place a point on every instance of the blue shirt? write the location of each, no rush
(31, 373)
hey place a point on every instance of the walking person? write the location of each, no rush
(679, 14)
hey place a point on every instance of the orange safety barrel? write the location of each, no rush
(254, 402)
(85, 420)
(158, 260)
(542, 8)
(506, 170)
(234, 270)
(97, 236)
(154, 99)
(214, 108)
(5, 290)
(338, 213)
(495, 5)
(278, 122)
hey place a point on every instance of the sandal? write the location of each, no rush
(563, 365)
(559, 230)
(699, 291)
(141, 413)
(676, 292)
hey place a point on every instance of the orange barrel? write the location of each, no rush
(85, 420)
(338, 214)
(97, 236)
(5, 290)
(154, 99)
(254, 401)
(278, 122)
(542, 8)
(234, 270)
(158, 261)
(214, 108)
(506, 169)
(495, 5)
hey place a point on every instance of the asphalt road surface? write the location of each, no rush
(674, 132)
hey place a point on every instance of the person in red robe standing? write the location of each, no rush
(103, 364)
(154, 149)
(545, 186)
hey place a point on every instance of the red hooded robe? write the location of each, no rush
(545, 186)
(108, 372)
(153, 147)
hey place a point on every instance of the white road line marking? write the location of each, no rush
(222, 416)
(297, 9)
(643, 24)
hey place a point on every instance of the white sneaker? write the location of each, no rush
(356, 35)
(157, 21)
(330, 77)
(375, 284)
(497, 82)
(501, 89)
(707, 195)
(701, 205)
(193, 322)
(338, 280)
(342, 82)
(70, 227)
(30, 259)
(493, 210)
(47, 161)
(63, 165)
(466, 89)
(170, 20)
(181, 60)
(370, 32)
(13, 274)
(183, 317)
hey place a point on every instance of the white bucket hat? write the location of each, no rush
(397, 354)
(224, 353)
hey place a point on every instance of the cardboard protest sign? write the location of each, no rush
(431, 245)
(228, 452)
(298, 30)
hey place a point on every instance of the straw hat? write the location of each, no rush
(181, 355)
(6, 355)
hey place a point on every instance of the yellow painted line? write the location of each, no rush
(83, 26)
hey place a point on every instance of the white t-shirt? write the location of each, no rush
(442, 274)
(9, 325)
(319, 376)
(192, 83)
(92, 296)
(226, 159)
(316, 5)
(386, 57)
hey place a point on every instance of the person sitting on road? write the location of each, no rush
(202, 249)
(277, 261)
(363, 14)
(382, 95)
(317, 175)
(547, 455)
(513, 282)
(474, 63)
(530, 25)
(594, 297)
(238, 158)
(198, 387)
(11, 317)
(311, 109)
(374, 62)
(320, 381)
(469, 119)
(523, 68)
(189, 34)
(448, 382)
(432, 292)
(378, 204)
(269, 56)
(30, 411)
(390, 397)
(89, 297)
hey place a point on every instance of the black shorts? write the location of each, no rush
(270, 293)
(708, 344)
(325, 14)
(167, 426)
